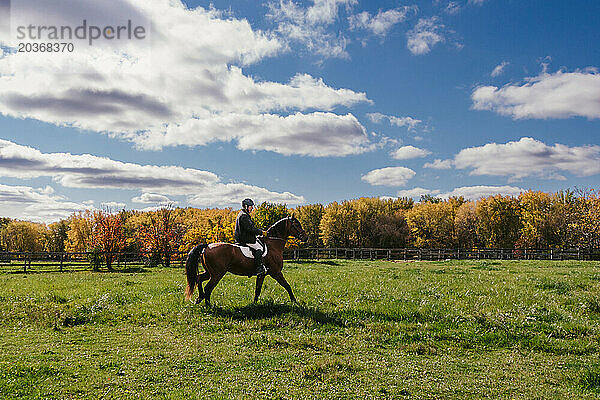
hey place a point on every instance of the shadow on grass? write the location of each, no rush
(322, 262)
(256, 311)
(341, 318)
(132, 270)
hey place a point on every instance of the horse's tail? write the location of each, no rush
(191, 269)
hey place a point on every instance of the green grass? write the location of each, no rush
(364, 329)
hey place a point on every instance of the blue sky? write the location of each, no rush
(302, 102)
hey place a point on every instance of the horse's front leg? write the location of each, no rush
(259, 283)
(281, 280)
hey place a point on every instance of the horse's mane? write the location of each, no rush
(276, 230)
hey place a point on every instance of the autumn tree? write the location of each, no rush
(79, 235)
(432, 224)
(207, 226)
(543, 219)
(160, 234)
(585, 228)
(3, 223)
(108, 235)
(339, 225)
(465, 225)
(498, 221)
(310, 218)
(24, 236)
(266, 214)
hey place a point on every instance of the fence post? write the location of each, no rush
(61, 261)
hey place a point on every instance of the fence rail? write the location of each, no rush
(443, 254)
(72, 261)
(47, 261)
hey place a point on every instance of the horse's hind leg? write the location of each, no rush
(201, 278)
(281, 280)
(211, 285)
(259, 283)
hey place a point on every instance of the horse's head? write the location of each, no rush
(295, 229)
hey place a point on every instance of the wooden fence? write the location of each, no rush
(73, 261)
(123, 261)
(442, 254)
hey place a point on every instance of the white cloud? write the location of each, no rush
(152, 198)
(381, 23)
(453, 8)
(529, 157)
(426, 34)
(308, 26)
(38, 205)
(499, 69)
(477, 192)
(409, 122)
(558, 95)
(439, 164)
(408, 152)
(88, 171)
(317, 134)
(232, 193)
(416, 193)
(390, 176)
(193, 73)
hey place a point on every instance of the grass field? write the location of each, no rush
(374, 329)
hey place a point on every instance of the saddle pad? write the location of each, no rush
(244, 249)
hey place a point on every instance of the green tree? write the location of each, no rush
(58, 233)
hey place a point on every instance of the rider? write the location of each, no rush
(246, 232)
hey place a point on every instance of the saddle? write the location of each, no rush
(246, 250)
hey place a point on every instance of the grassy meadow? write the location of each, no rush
(363, 329)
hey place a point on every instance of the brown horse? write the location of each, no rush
(220, 258)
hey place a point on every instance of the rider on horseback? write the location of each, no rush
(246, 232)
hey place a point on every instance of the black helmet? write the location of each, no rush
(247, 203)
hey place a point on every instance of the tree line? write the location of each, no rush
(532, 219)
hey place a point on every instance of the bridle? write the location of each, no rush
(284, 239)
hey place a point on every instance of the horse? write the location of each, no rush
(220, 258)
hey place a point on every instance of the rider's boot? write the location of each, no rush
(260, 268)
